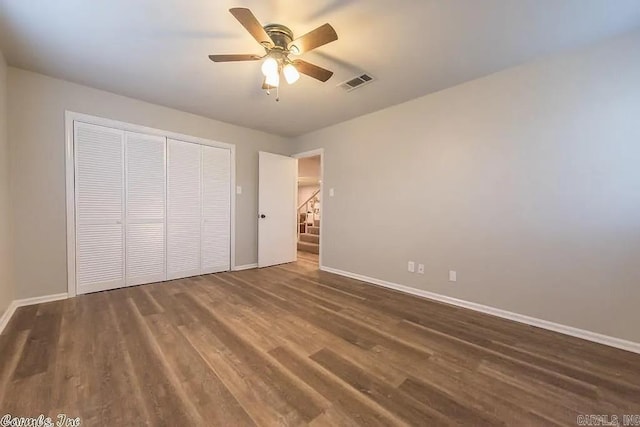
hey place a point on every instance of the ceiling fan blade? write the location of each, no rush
(234, 58)
(311, 70)
(249, 21)
(313, 39)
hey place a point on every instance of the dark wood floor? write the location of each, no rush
(290, 345)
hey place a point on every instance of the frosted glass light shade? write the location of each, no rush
(291, 75)
(273, 79)
(269, 66)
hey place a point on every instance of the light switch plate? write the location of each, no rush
(331, 192)
(420, 268)
(453, 276)
(411, 266)
(238, 189)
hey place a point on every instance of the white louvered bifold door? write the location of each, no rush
(216, 209)
(99, 188)
(145, 201)
(183, 209)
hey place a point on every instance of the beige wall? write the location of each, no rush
(527, 182)
(6, 282)
(36, 128)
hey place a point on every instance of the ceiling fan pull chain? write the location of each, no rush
(278, 94)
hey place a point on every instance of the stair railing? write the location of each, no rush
(305, 207)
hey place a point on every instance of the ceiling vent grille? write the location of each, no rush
(356, 82)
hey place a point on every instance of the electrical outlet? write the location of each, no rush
(420, 268)
(453, 276)
(411, 267)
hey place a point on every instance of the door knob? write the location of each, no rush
(263, 216)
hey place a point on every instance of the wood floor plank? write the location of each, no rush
(356, 333)
(447, 405)
(391, 398)
(11, 347)
(163, 402)
(204, 389)
(292, 345)
(39, 350)
(257, 397)
(305, 337)
(144, 302)
(70, 358)
(109, 392)
(350, 404)
(290, 390)
(166, 300)
(485, 393)
(478, 352)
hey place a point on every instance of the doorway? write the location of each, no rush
(289, 209)
(309, 207)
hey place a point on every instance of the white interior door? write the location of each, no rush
(277, 188)
(216, 210)
(145, 207)
(99, 197)
(184, 209)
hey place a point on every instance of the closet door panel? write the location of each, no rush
(183, 209)
(99, 188)
(216, 209)
(145, 197)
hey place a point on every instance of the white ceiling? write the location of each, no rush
(156, 50)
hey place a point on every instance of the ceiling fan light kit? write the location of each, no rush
(291, 74)
(279, 45)
(272, 80)
(269, 66)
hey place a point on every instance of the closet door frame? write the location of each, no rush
(70, 118)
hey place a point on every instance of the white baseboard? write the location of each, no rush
(40, 300)
(545, 324)
(4, 320)
(6, 316)
(245, 267)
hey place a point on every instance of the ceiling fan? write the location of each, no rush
(280, 46)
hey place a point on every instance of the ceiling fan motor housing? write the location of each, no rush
(280, 35)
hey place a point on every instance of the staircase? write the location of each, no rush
(310, 240)
(309, 225)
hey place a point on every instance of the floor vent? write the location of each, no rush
(356, 82)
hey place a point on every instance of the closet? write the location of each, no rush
(147, 208)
